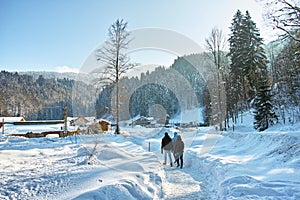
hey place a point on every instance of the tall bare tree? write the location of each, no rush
(216, 45)
(117, 63)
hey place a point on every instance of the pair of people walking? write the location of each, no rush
(176, 146)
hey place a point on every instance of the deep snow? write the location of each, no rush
(244, 164)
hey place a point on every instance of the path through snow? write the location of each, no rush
(186, 183)
(180, 185)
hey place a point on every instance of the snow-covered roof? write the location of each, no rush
(12, 119)
(143, 118)
(23, 129)
(81, 119)
(104, 120)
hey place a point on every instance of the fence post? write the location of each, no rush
(65, 122)
(2, 126)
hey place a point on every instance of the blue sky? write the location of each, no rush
(50, 35)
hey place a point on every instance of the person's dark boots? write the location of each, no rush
(171, 164)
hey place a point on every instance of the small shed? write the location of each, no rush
(105, 125)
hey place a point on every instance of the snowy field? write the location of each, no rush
(242, 165)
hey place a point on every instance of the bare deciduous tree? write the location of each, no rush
(216, 44)
(284, 15)
(117, 63)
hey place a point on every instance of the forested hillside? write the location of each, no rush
(175, 88)
(41, 98)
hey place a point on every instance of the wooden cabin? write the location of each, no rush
(105, 125)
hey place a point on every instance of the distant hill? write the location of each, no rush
(43, 95)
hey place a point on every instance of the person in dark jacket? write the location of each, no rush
(178, 149)
(166, 147)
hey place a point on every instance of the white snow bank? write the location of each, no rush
(56, 168)
(123, 189)
(250, 166)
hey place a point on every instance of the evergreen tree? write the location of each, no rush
(254, 58)
(264, 115)
(248, 63)
(235, 93)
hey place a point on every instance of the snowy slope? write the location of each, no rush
(230, 165)
(57, 168)
(247, 166)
